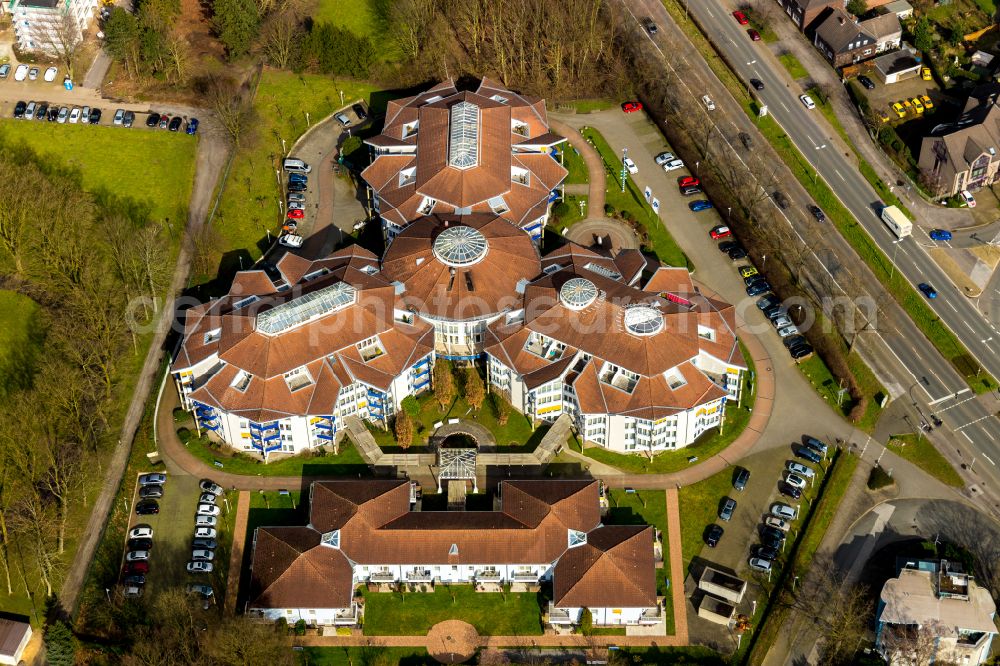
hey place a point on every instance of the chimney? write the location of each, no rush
(840, 19)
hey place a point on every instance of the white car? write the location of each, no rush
(291, 240)
(707, 101)
(968, 198)
(784, 511)
(207, 498)
(208, 510)
(21, 73)
(800, 469)
(807, 101)
(785, 331)
(760, 564)
(774, 521)
(199, 567)
(119, 116)
(200, 555)
(141, 532)
(673, 165)
(205, 521)
(208, 486)
(50, 74)
(85, 115)
(630, 165)
(343, 119)
(795, 480)
(663, 158)
(781, 322)
(296, 205)
(74, 115)
(205, 533)
(137, 556)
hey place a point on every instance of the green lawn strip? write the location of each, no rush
(370, 655)
(346, 463)
(414, 613)
(588, 105)
(824, 106)
(154, 169)
(699, 505)
(921, 452)
(515, 435)
(19, 340)
(248, 207)
(573, 161)
(710, 443)
(794, 67)
(571, 214)
(815, 519)
(633, 202)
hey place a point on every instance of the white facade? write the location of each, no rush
(40, 25)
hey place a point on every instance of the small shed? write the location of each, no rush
(900, 8)
(14, 636)
(898, 65)
(716, 610)
(722, 585)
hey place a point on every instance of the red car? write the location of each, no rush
(685, 181)
(754, 35)
(740, 17)
(631, 107)
(721, 232)
(140, 567)
(296, 214)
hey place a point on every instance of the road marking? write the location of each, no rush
(841, 175)
(989, 434)
(968, 326)
(967, 436)
(981, 418)
(952, 306)
(990, 460)
(783, 106)
(960, 402)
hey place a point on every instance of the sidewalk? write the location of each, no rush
(595, 167)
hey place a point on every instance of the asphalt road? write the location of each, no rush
(929, 381)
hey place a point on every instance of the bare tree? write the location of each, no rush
(64, 38)
(280, 34)
(232, 106)
(912, 644)
(178, 52)
(33, 521)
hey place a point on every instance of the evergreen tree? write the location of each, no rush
(236, 23)
(60, 645)
(922, 34)
(858, 7)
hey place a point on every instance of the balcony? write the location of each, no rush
(525, 576)
(383, 577)
(651, 615)
(347, 617)
(419, 576)
(488, 576)
(559, 615)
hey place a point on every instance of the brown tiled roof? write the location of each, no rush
(430, 286)
(614, 569)
(291, 569)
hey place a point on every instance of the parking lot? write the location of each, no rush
(884, 95)
(173, 529)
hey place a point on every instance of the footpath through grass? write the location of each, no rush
(921, 452)
(414, 613)
(633, 203)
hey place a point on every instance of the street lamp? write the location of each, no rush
(729, 213)
(696, 163)
(895, 246)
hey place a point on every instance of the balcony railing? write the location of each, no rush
(559, 615)
(488, 576)
(383, 577)
(347, 617)
(423, 576)
(651, 615)
(524, 576)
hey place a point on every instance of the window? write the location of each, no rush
(577, 538)
(463, 136)
(409, 129)
(213, 336)
(499, 98)
(675, 379)
(306, 307)
(453, 550)
(298, 378)
(332, 539)
(518, 127)
(706, 333)
(426, 206)
(315, 274)
(242, 380)
(243, 302)
(370, 349)
(519, 175)
(407, 176)
(498, 205)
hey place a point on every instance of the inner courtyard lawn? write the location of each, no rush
(414, 613)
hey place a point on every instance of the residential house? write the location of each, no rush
(15, 632)
(364, 532)
(901, 8)
(807, 14)
(934, 612)
(844, 41)
(50, 26)
(962, 155)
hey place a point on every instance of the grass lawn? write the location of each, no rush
(588, 105)
(358, 16)
(573, 161)
(154, 169)
(736, 419)
(699, 505)
(794, 67)
(632, 201)
(922, 453)
(414, 613)
(827, 387)
(362, 656)
(248, 205)
(347, 463)
(516, 435)
(19, 339)
(573, 215)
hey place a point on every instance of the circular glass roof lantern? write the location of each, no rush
(577, 293)
(643, 320)
(460, 246)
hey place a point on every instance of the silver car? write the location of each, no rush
(202, 555)
(119, 116)
(208, 510)
(63, 114)
(152, 479)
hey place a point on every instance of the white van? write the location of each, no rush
(296, 165)
(21, 73)
(709, 104)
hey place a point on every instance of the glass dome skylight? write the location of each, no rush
(577, 293)
(460, 246)
(643, 320)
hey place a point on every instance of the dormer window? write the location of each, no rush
(706, 333)
(519, 175)
(242, 381)
(369, 269)
(298, 378)
(409, 129)
(331, 539)
(407, 176)
(518, 127)
(498, 205)
(675, 379)
(243, 302)
(426, 206)
(315, 274)
(213, 336)
(370, 349)
(453, 550)
(499, 98)
(576, 538)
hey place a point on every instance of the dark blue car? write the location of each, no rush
(940, 235)
(700, 205)
(758, 288)
(929, 291)
(192, 126)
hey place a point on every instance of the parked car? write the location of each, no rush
(151, 492)
(204, 533)
(700, 205)
(736, 253)
(726, 246)
(208, 510)
(147, 507)
(765, 552)
(119, 117)
(164, 121)
(208, 486)
(152, 120)
(343, 119)
(940, 235)
(295, 214)
(630, 166)
(129, 119)
(53, 113)
(42, 111)
(133, 568)
(741, 18)
(140, 544)
(142, 531)
(795, 480)
(807, 102)
(134, 579)
(687, 181)
(713, 534)
(200, 542)
(291, 240)
(21, 73)
(63, 115)
(805, 452)
(192, 126)
(136, 555)
(205, 521)
(926, 101)
(202, 555)
(786, 331)
(29, 111)
(800, 352)
(298, 178)
(781, 321)
(740, 478)
(799, 469)
(781, 200)
(747, 271)
(297, 187)
(767, 302)
(746, 140)
(927, 289)
(631, 107)
(727, 509)
(50, 74)
(758, 288)
(207, 498)
(673, 165)
(4, 71)
(898, 109)
(85, 115)
(759, 564)
(789, 491)
(777, 523)
(296, 196)
(296, 205)
(663, 158)
(817, 212)
(720, 231)
(199, 567)
(198, 588)
(154, 479)
(707, 101)
(19, 109)
(866, 82)
(132, 591)
(33, 74)
(816, 445)
(175, 124)
(967, 197)
(783, 511)
(360, 112)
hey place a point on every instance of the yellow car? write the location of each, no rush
(928, 104)
(898, 108)
(747, 271)
(917, 106)
(907, 105)
(925, 73)
(883, 116)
